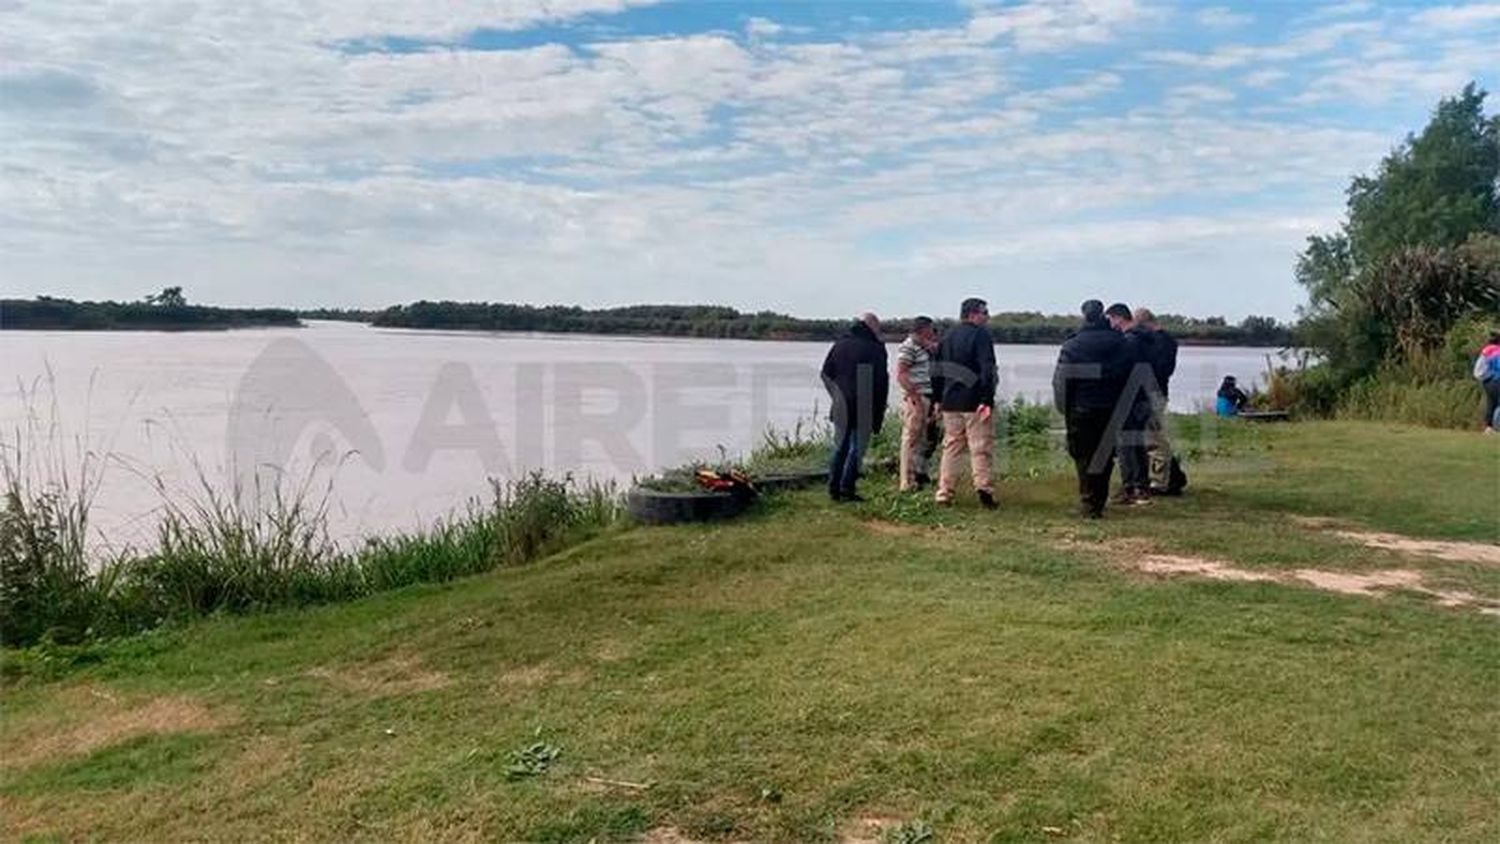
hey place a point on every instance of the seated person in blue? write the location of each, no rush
(1231, 399)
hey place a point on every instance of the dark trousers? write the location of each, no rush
(849, 444)
(1135, 461)
(1491, 401)
(934, 434)
(1091, 444)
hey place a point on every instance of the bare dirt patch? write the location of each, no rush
(1367, 584)
(1170, 564)
(868, 830)
(106, 720)
(527, 677)
(396, 675)
(612, 650)
(264, 759)
(1453, 552)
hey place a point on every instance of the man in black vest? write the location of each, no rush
(1092, 368)
(858, 381)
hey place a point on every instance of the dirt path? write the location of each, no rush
(1369, 584)
(1448, 550)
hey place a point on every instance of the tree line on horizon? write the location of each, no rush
(169, 310)
(711, 321)
(165, 311)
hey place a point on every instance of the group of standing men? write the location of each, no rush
(1110, 385)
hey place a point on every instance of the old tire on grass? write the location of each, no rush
(652, 507)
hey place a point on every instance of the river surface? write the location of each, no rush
(405, 426)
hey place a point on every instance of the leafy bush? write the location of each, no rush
(1311, 391)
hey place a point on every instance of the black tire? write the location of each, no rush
(669, 508)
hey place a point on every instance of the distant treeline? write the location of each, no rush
(338, 314)
(728, 323)
(152, 314)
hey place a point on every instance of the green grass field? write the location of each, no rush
(842, 673)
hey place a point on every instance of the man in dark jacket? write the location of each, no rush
(1091, 371)
(1158, 435)
(963, 384)
(858, 381)
(1135, 466)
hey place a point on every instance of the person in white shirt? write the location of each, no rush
(918, 413)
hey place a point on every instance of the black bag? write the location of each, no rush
(1178, 480)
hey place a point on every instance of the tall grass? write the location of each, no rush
(240, 550)
(1434, 390)
(48, 482)
(805, 445)
(1444, 403)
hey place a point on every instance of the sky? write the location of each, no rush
(816, 158)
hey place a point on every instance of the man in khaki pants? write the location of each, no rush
(964, 386)
(914, 375)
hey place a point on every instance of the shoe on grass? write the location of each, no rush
(987, 500)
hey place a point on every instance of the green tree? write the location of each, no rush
(169, 297)
(1262, 329)
(1426, 199)
(1435, 189)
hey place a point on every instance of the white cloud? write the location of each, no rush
(1093, 86)
(1048, 25)
(1114, 237)
(1221, 17)
(1341, 10)
(763, 28)
(238, 148)
(1264, 78)
(1458, 17)
(1185, 97)
(1311, 42)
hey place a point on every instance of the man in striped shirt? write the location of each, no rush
(918, 416)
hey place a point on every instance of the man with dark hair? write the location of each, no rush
(914, 376)
(965, 389)
(1091, 371)
(1135, 468)
(1158, 434)
(858, 380)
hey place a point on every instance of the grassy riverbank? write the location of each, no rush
(815, 672)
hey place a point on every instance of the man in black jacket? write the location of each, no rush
(858, 381)
(1091, 371)
(963, 384)
(1158, 437)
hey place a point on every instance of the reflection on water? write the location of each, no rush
(416, 421)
